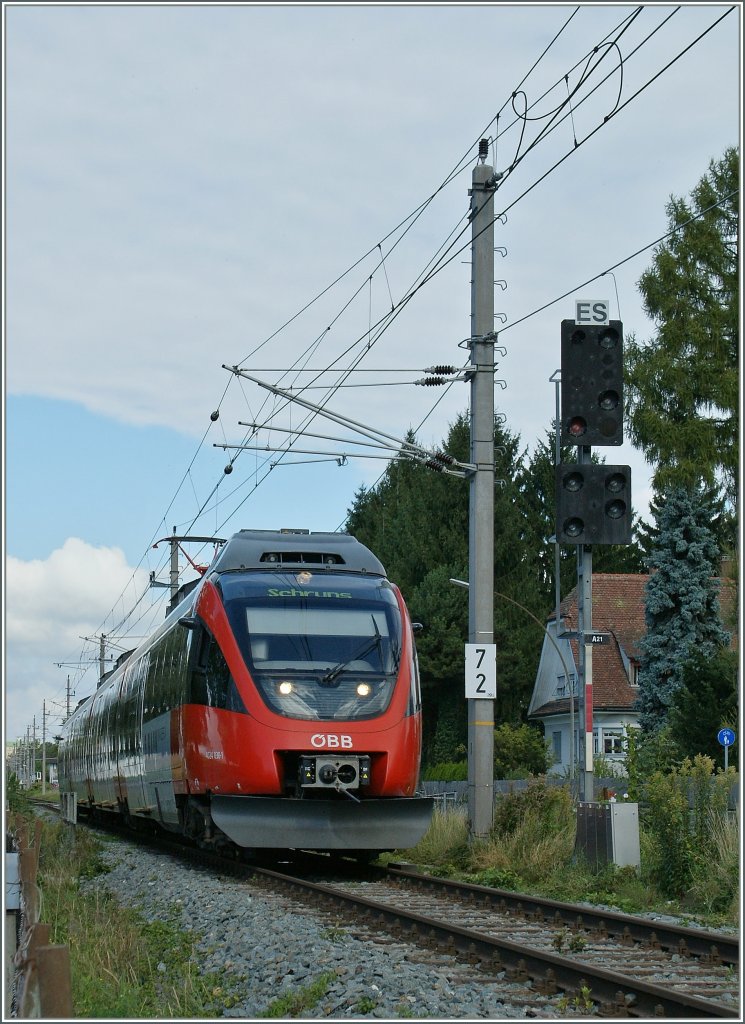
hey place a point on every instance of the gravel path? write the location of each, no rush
(267, 945)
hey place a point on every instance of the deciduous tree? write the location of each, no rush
(705, 703)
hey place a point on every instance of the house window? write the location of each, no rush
(562, 690)
(612, 740)
(634, 673)
(556, 743)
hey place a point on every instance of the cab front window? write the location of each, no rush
(329, 651)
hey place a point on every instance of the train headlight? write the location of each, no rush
(364, 689)
(286, 688)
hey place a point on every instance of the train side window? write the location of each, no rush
(170, 671)
(183, 639)
(149, 666)
(415, 692)
(212, 682)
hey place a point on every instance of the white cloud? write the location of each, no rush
(50, 606)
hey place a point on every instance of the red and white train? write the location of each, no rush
(278, 706)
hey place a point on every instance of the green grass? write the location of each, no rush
(122, 966)
(294, 1003)
(125, 967)
(532, 849)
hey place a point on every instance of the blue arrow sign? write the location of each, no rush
(726, 737)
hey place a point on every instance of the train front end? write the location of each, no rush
(321, 649)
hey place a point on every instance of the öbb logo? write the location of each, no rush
(330, 742)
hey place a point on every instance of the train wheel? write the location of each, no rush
(196, 819)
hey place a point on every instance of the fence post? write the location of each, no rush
(43, 981)
(55, 987)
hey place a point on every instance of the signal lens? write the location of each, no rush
(574, 482)
(608, 400)
(574, 527)
(577, 426)
(615, 483)
(609, 338)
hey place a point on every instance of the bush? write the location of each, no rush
(532, 838)
(446, 842)
(447, 771)
(715, 880)
(551, 805)
(520, 751)
(687, 817)
(689, 847)
(14, 794)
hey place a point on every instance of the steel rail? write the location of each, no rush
(549, 972)
(712, 947)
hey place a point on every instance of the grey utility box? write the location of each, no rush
(608, 833)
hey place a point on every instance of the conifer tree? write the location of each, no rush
(721, 523)
(681, 603)
(683, 384)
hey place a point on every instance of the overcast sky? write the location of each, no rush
(182, 182)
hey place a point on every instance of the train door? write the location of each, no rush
(129, 733)
(108, 761)
(161, 690)
(99, 729)
(77, 760)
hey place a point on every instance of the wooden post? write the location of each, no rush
(11, 944)
(44, 977)
(55, 985)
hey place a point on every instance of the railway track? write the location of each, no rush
(613, 964)
(604, 963)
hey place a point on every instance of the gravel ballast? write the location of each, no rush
(267, 945)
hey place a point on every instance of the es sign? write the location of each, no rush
(592, 312)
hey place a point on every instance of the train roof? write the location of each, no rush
(267, 549)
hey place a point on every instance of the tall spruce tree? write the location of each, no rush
(721, 523)
(681, 602)
(683, 384)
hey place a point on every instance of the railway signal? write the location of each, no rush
(592, 383)
(593, 504)
(593, 501)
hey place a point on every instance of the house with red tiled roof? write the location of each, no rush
(617, 610)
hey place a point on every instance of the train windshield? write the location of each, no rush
(319, 647)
